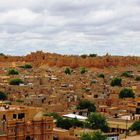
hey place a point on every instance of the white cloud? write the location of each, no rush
(70, 27)
(23, 17)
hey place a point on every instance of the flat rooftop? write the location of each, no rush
(128, 117)
(7, 107)
(73, 116)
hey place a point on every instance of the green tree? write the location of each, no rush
(137, 78)
(3, 96)
(127, 74)
(65, 123)
(13, 72)
(84, 56)
(67, 71)
(101, 75)
(126, 93)
(19, 101)
(83, 70)
(97, 121)
(16, 82)
(93, 82)
(2, 54)
(93, 136)
(26, 66)
(116, 82)
(86, 136)
(135, 126)
(85, 104)
(68, 123)
(93, 55)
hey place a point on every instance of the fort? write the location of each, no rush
(46, 88)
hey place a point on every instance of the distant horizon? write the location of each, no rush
(69, 54)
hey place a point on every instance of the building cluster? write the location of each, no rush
(24, 123)
(50, 89)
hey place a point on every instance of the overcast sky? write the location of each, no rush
(70, 26)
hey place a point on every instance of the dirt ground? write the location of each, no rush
(133, 138)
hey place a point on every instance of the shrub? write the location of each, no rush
(92, 55)
(68, 123)
(86, 136)
(19, 101)
(26, 66)
(135, 126)
(84, 56)
(97, 135)
(127, 74)
(68, 71)
(85, 104)
(93, 82)
(86, 89)
(97, 121)
(101, 75)
(15, 82)
(126, 93)
(13, 72)
(116, 82)
(83, 70)
(137, 78)
(2, 54)
(3, 96)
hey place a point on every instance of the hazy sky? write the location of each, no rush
(70, 26)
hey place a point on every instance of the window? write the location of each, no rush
(21, 115)
(28, 138)
(14, 116)
(95, 96)
(4, 117)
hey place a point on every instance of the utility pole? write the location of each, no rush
(126, 128)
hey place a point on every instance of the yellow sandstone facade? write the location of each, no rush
(24, 123)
